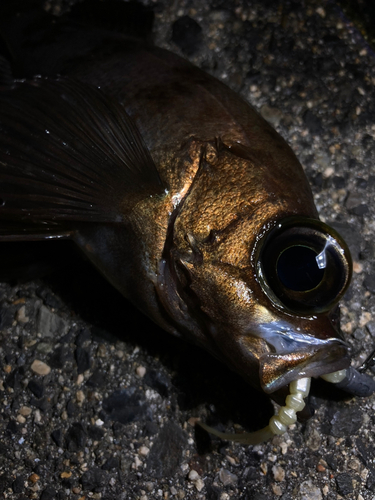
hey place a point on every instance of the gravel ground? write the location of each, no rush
(97, 402)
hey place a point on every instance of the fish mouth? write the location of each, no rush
(277, 370)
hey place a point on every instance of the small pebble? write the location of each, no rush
(277, 490)
(278, 473)
(40, 368)
(25, 411)
(21, 315)
(140, 371)
(80, 396)
(227, 478)
(193, 475)
(364, 318)
(144, 451)
(34, 478)
(357, 267)
(199, 484)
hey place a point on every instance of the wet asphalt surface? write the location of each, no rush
(110, 411)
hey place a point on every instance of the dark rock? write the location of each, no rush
(59, 357)
(187, 34)
(167, 450)
(213, 492)
(67, 482)
(370, 483)
(346, 422)
(344, 483)
(12, 427)
(126, 405)
(83, 359)
(9, 358)
(118, 430)
(48, 298)
(318, 180)
(57, 436)
(4, 482)
(68, 337)
(157, 381)
(36, 388)
(331, 461)
(76, 437)
(312, 122)
(43, 403)
(71, 409)
(338, 181)
(366, 453)
(6, 317)
(93, 479)
(14, 379)
(361, 183)
(367, 141)
(251, 474)
(18, 484)
(95, 433)
(4, 451)
(361, 209)
(355, 204)
(369, 282)
(97, 379)
(83, 336)
(111, 463)
(48, 494)
(151, 428)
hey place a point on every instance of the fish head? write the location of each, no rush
(262, 294)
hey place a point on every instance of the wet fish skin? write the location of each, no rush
(187, 255)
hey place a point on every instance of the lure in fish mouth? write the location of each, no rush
(180, 193)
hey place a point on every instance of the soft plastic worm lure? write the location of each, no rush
(349, 380)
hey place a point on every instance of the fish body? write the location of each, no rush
(180, 193)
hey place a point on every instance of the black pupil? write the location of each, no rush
(298, 270)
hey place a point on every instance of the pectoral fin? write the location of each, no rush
(69, 154)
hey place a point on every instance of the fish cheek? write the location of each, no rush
(226, 306)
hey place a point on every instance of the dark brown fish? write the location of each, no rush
(179, 192)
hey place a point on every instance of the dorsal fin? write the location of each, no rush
(68, 154)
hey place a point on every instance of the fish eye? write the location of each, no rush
(304, 265)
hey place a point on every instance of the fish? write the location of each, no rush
(180, 194)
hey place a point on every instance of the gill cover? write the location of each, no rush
(304, 266)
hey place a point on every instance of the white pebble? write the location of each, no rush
(144, 451)
(140, 371)
(193, 475)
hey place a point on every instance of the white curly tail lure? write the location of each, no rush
(287, 415)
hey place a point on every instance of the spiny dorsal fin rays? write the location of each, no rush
(69, 153)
